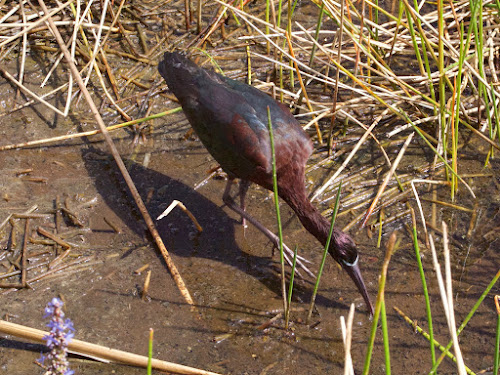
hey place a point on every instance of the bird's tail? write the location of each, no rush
(179, 72)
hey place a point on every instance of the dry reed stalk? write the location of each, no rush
(447, 296)
(83, 134)
(346, 161)
(36, 23)
(24, 254)
(142, 208)
(29, 92)
(388, 177)
(53, 237)
(184, 209)
(303, 88)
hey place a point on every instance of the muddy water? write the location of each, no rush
(234, 278)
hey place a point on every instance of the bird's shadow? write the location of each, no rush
(217, 240)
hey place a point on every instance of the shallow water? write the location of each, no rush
(233, 278)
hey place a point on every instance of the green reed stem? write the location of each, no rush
(378, 303)
(385, 335)
(375, 18)
(458, 94)
(496, 359)
(484, 94)
(426, 57)
(480, 60)
(495, 111)
(281, 75)
(325, 253)
(212, 60)
(291, 8)
(314, 47)
(290, 287)
(497, 7)
(476, 29)
(414, 40)
(277, 207)
(424, 286)
(442, 81)
(380, 227)
(316, 33)
(278, 25)
(150, 352)
(278, 19)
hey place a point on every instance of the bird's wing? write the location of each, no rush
(290, 138)
(250, 137)
(291, 143)
(229, 127)
(231, 120)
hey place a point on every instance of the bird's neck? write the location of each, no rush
(308, 215)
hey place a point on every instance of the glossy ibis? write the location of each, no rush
(230, 118)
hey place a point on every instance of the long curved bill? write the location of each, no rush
(355, 273)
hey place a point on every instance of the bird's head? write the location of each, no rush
(344, 251)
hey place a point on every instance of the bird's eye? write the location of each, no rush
(350, 264)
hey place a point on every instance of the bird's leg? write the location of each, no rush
(228, 200)
(244, 185)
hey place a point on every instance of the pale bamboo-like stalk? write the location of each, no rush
(94, 351)
(419, 204)
(25, 45)
(347, 338)
(447, 296)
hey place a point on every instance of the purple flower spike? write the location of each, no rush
(61, 333)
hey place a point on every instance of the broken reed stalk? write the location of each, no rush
(138, 200)
(337, 75)
(181, 205)
(87, 349)
(53, 237)
(302, 86)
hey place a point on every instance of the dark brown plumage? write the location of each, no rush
(230, 118)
